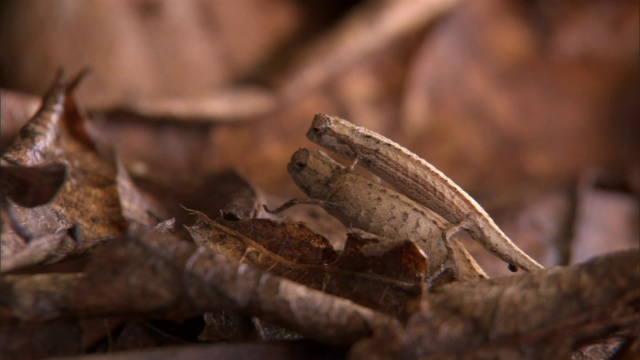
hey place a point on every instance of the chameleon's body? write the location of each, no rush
(418, 180)
(360, 203)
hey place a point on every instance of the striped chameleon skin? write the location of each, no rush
(360, 203)
(418, 180)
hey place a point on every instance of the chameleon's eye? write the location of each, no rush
(300, 165)
(315, 130)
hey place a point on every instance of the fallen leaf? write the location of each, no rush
(16, 110)
(32, 186)
(504, 83)
(156, 42)
(544, 314)
(226, 325)
(385, 276)
(88, 201)
(46, 248)
(153, 273)
(59, 337)
(27, 187)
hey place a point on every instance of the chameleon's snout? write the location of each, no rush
(318, 125)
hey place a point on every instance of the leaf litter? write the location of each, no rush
(267, 279)
(249, 275)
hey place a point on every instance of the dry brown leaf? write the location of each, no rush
(44, 249)
(148, 201)
(88, 201)
(32, 186)
(59, 337)
(527, 90)
(385, 276)
(16, 110)
(545, 314)
(153, 273)
(501, 94)
(225, 325)
(27, 187)
(156, 41)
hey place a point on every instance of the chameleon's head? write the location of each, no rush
(313, 171)
(333, 133)
(320, 125)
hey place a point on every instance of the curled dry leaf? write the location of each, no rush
(46, 248)
(545, 314)
(232, 193)
(88, 201)
(145, 197)
(32, 186)
(28, 187)
(385, 276)
(16, 109)
(153, 273)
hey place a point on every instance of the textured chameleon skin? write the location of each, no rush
(418, 180)
(360, 203)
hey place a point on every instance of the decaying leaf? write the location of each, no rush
(59, 337)
(153, 273)
(506, 97)
(46, 248)
(225, 325)
(88, 201)
(16, 109)
(40, 297)
(31, 186)
(546, 314)
(385, 276)
(28, 187)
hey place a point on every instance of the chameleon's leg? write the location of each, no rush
(295, 202)
(353, 164)
(463, 225)
(456, 228)
(466, 266)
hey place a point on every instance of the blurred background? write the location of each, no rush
(531, 106)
